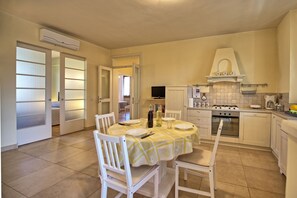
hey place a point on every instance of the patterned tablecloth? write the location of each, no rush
(164, 145)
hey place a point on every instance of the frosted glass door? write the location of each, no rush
(33, 108)
(105, 90)
(72, 91)
(135, 90)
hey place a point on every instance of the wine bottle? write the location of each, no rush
(159, 116)
(150, 117)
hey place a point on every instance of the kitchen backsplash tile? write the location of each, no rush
(229, 94)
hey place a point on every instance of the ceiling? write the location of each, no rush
(124, 23)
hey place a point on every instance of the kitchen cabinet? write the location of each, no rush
(202, 119)
(255, 129)
(276, 135)
(282, 162)
(176, 98)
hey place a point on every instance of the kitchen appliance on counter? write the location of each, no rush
(230, 118)
(269, 102)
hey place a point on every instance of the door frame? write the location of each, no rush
(99, 82)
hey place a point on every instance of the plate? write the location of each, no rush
(130, 122)
(255, 106)
(136, 132)
(184, 126)
(168, 119)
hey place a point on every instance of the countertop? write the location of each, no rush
(290, 127)
(277, 113)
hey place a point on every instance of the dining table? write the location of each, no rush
(157, 145)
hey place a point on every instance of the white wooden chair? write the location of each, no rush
(201, 161)
(173, 114)
(104, 121)
(124, 179)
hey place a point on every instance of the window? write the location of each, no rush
(126, 85)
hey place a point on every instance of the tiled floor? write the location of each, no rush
(66, 166)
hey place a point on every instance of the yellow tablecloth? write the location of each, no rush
(164, 145)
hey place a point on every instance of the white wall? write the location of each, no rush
(14, 29)
(187, 62)
(287, 50)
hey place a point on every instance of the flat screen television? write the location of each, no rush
(158, 92)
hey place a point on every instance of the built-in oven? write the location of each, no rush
(230, 125)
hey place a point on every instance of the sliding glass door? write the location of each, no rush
(33, 85)
(72, 94)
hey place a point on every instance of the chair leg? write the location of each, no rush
(129, 194)
(215, 176)
(211, 182)
(103, 190)
(156, 185)
(176, 180)
(185, 174)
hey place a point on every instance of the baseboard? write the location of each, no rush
(10, 147)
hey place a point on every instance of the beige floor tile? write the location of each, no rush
(259, 163)
(61, 154)
(193, 182)
(40, 180)
(91, 170)
(43, 149)
(266, 180)
(262, 194)
(80, 160)
(21, 169)
(9, 158)
(262, 155)
(71, 139)
(225, 190)
(110, 193)
(232, 174)
(36, 144)
(8, 192)
(259, 159)
(228, 158)
(85, 145)
(227, 149)
(75, 186)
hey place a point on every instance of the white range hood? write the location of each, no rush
(224, 67)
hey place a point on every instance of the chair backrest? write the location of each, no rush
(112, 147)
(104, 121)
(173, 114)
(215, 148)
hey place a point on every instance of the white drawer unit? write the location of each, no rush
(202, 119)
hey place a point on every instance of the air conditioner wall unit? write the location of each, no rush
(58, 39)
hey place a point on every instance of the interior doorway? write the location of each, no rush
(122, 93)
(126, 83)
(55, 107)
(124, 86)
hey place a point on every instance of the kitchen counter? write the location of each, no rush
(277, 113)
(290, 127)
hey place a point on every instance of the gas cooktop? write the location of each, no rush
(225, 107)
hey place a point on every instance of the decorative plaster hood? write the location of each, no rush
(224, 67)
